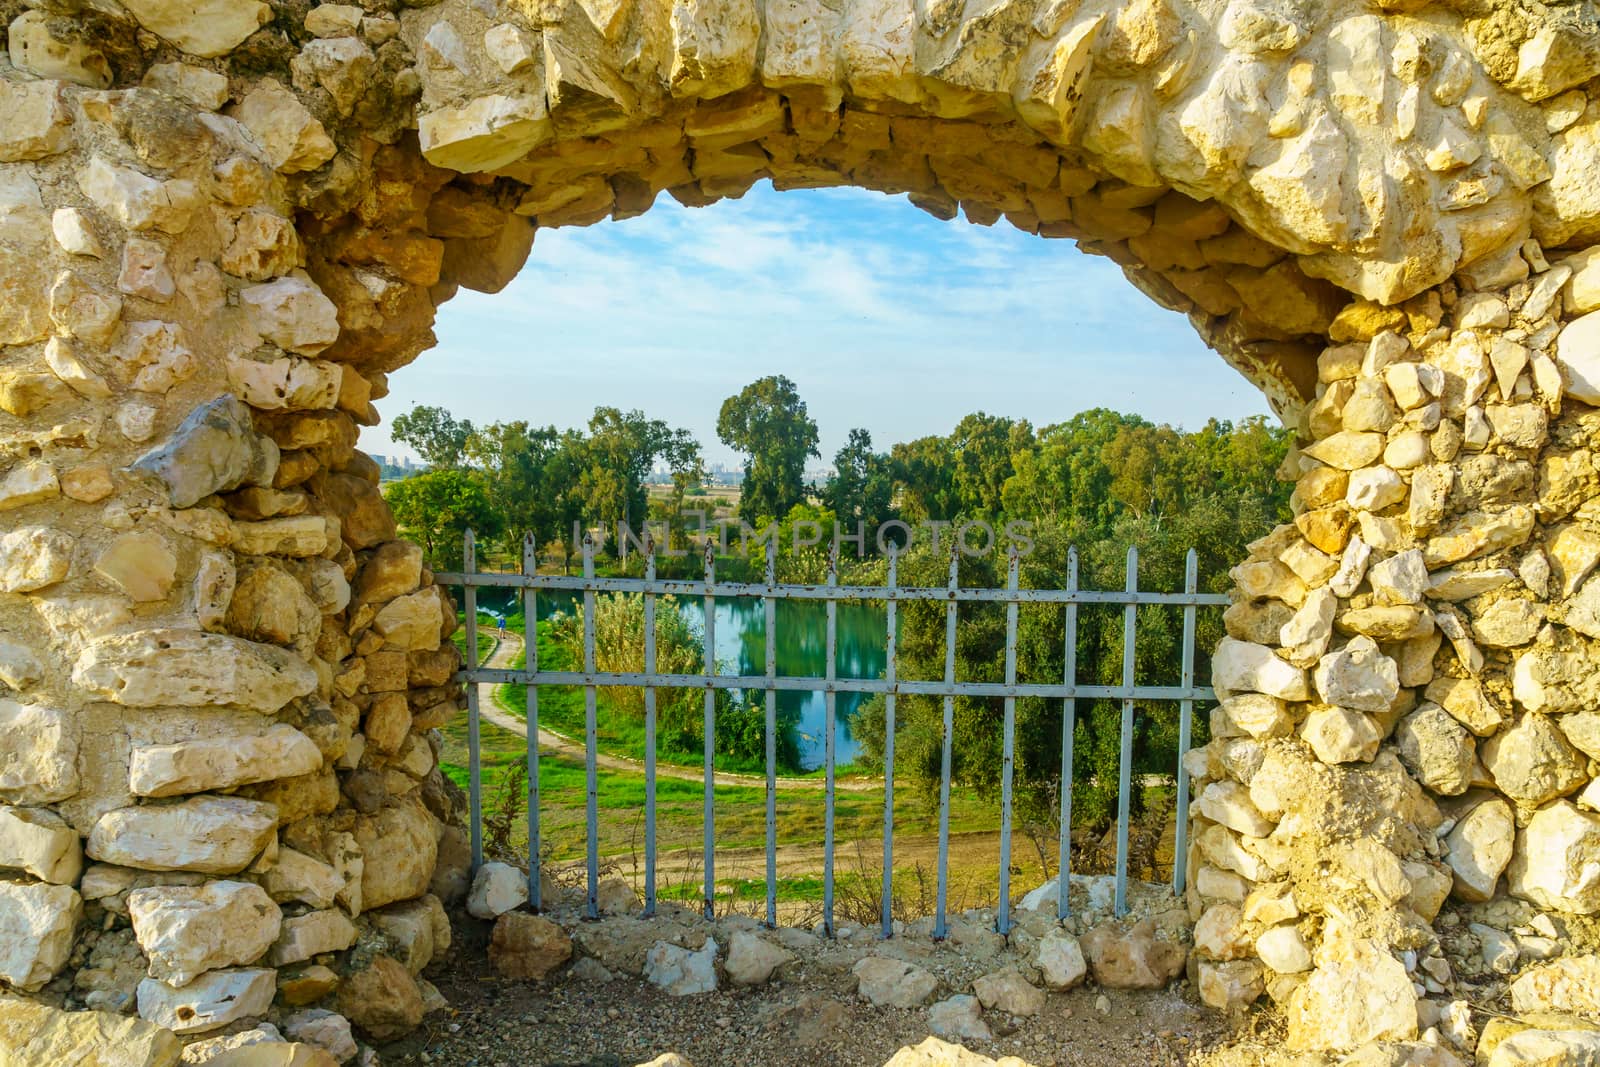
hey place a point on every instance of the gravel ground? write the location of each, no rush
(811, 1018)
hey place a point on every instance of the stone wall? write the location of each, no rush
(223, 223)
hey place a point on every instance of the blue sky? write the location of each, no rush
(882, 315)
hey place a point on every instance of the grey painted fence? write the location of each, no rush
(952, 594)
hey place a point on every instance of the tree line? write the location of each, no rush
(1100, 481)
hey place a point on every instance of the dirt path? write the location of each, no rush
(504, 654)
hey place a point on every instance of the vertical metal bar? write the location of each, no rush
(1180, 863)
(469, 596)
(530, 655)
(829, 729)
(769, 609)
(1125, 774)
(1069, 726)
(939, 926)
(591, 732)
(890, 672)
(650, 733)
(709, 728)
(1008, 749)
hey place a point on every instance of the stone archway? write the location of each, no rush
(218, 233)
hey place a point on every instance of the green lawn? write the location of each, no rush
(740, 810)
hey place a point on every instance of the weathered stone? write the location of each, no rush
(38, 753)
(1557, 860)
(188, 930)
(299, 877)
(1305, 637)
(213, 835)
(210, 1002)
(1532, 762)
(411, 622)
(141, 564)
(1358, 677)
(41, 843)
(1242, 667)
(293, 314)
(292, 138)
(1283, 948)
(1260, 716)
(382, 999)
(33, 1032)
(1569, 986)
(753, 960)
(959, 1017)
(1400, 579)
(1547, 1048)
(1124, 957)
(497, 888)
(680, 972)
(1341, 735)
(1361, 995)
(312, 934)
(1437, 749)
(38, 923)
(1007, 991)
(187, 668)
(399, 848)
(484, 134)
(1231, 986)
(1466, 701)
(893, 983)
(1060, 961)
(1229, 804)
(213, 450)
(268, 604)
(33, 558)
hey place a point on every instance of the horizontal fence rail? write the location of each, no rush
(709, 590)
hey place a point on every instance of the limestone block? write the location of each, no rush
(1007, 991)
(1305, 637)
(1400, 579)
(136, 200)
(531, 947)
(211, 835)
(892, 983)
(293, 140)
(1060, 961)
(298, 536)
(382, 999)
(62, 358)
(214, 449)
(203, 88)
(1536, 1048)
(485, 134)
(1243, 667)
(416, 931)
(35, 122)
(1231, 986)
(210, 1002)
(1361, 994)
(1132, 957)
(286, 384)
(140, 564)
(1437, 749)
(343, 66)
(312, 934)
(38, 923)
(268, 604)
(30, 482)
(1347, 450)
(398, 848)
(19, 668)
(33, 558)
(496, 889)
(188, 930)
(1229, 804)
(1533, 762)
(1283, 948)
(38, 753)
(411, 623)
(187, 668)
(299, 877)
(41, 843)
(34, 1032)
(221, 762)
(36, 50)
(1358, 677)
(959, 1017)
(1465, 699)
(1508, 623)
(324, 1029)
(75, 234)
(1341, 735)
(1260, 716)
(293, 314)
(1569, 986)
(1557, 860)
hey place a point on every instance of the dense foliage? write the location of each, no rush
(1102, 482)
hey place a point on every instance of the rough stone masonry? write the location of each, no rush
(223, 222)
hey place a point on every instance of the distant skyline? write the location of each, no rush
(883, 316)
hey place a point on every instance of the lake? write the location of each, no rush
(802, 651)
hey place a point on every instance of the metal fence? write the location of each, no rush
(1069, 691)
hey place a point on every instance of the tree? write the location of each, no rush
(438, 507)
(767, 421)
(861, 491)
(436, 435)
